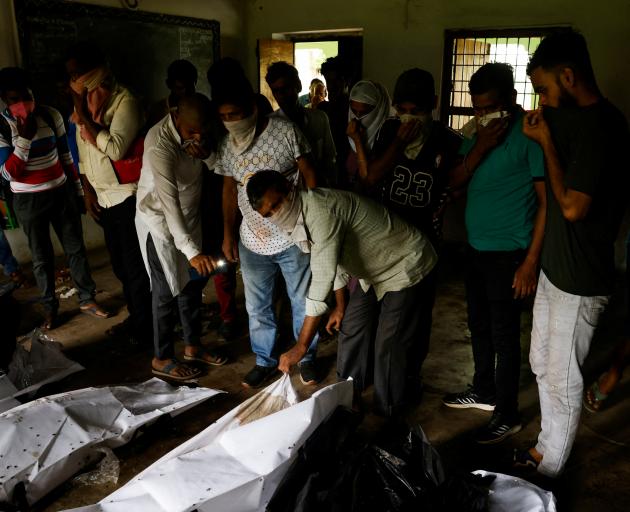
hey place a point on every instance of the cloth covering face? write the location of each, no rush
(290, 219)
(412, 150)
(375, 94)
(242, 132)
(97, 97)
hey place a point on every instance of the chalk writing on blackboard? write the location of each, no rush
(53, 37)
(196, 45)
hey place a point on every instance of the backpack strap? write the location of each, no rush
(5, 130)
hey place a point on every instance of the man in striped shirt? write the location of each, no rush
(35, 160)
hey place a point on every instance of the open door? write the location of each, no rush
(270, 51)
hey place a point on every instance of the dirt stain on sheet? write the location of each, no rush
(264, 405)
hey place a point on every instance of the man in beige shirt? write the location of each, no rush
(109, 120)
(349, 235)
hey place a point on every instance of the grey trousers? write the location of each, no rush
(377, 340)
(166, 308)
(36, 212)
(562, 331)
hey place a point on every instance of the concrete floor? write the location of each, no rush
(597, 476)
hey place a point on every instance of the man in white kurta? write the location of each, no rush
(168, 221)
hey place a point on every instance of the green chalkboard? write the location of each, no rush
(139, 45)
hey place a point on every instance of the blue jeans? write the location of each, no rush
(8, 262)
(259, 278)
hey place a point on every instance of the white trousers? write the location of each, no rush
(562, 330)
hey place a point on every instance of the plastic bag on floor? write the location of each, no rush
(317, 466)
(7, 391)
(334, 472)
(39, 360)
(235, 464)
(47, 441)
(512, 494)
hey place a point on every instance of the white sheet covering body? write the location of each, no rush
(512, 494)
(47, 441)
(237, 463)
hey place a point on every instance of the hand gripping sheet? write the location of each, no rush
(512, 494)
(237, 463)
(45, 442)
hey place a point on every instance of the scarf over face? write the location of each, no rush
(97, 97)
(375, 94)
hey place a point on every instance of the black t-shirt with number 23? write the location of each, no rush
(417, 189)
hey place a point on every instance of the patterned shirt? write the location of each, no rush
(276, 148)
(353, 235)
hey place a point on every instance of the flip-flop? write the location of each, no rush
(167, 372)
(597, 402)
(94, 310)
(218, 359)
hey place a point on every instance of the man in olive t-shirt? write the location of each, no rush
(584, 141)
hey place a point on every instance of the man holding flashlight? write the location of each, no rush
(168, 221)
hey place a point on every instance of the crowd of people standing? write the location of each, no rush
(344, 198)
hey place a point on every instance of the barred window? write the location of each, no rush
(466, 51)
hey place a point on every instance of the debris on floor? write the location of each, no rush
(65, 292)
(235, 464)
(45, 442)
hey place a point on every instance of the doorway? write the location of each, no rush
(307, 51)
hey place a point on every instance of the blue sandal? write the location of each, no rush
(167, 372)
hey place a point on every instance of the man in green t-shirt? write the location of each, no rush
(584, 140)
(505, 219)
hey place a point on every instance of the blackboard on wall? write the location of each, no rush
(139, 45)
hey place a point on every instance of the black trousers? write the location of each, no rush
(377, 340)
(165, 308)
(121, 238)
(494, 322)
(36, 212)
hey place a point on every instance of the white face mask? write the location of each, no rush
(190, 142)
(485, 119)
(415, 146)
(242, 132)
(423, 118)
